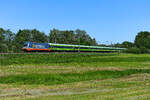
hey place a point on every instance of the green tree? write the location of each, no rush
(142, 40)
(6, 40)
(67, 37)
(21, 37)
(37, 36)
(83, 38)
(53, 36)
(71, 37)
(127, 44)
(9, 40)
(29, 35)
(3, 46)
(117, 45)
(2, 37)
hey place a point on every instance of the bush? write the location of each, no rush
(133, 50)
(3, 48)
(136, 50)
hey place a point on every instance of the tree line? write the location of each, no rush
(12, 42)
(140, 45)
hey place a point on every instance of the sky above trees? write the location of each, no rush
(106, 20)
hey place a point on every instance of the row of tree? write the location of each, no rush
(12, 42)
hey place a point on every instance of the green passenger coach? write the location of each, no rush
(82, 48)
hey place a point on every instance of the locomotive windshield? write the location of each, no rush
(25, 45)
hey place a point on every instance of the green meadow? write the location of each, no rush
(75, 76)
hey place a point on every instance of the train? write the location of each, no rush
(55, 47)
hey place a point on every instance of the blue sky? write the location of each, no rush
(106, 20)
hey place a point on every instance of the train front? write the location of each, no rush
(32, 46)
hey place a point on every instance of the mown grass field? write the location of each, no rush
(73, 76)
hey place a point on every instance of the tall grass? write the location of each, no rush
(13, 59)
(50, 79)
(76, 59)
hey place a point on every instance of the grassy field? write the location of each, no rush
(73, 76)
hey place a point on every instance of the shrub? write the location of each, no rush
(3, 48)
(136, 50)
(133, 50)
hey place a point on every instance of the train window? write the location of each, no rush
(40, 45)
(83, 47)
(76, 47)
(61, 47)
